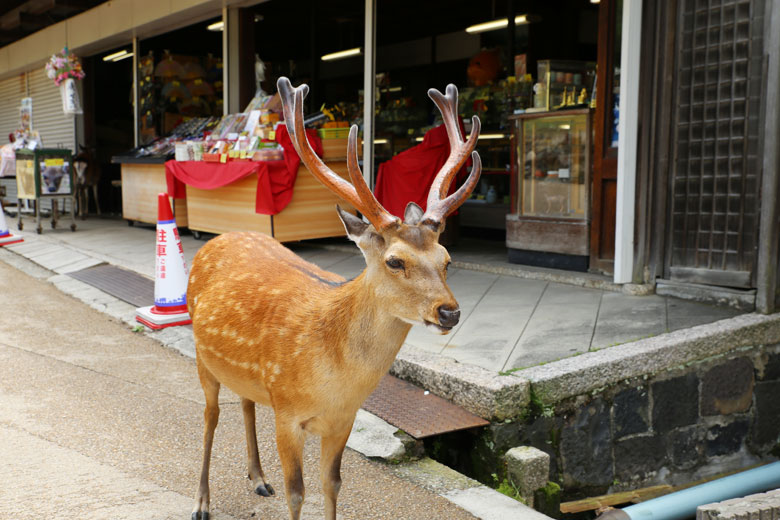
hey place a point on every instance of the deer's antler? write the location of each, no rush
(439, 205)
(358, 193)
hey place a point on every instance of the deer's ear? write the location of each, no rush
(355, 227)
(360, 232)
(412, 214)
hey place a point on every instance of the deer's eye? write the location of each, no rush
(395, 263)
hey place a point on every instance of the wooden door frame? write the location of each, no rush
(767, 257)
(601, 159)
(656, 94)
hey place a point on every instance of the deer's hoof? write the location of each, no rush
(265, 490)
(200, 515)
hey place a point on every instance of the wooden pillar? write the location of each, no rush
(766, 293)
(238, 58)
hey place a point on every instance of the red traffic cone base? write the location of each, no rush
(6, 238)
(170, 281)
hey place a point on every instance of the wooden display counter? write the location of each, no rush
(141, 182)
(310, 214)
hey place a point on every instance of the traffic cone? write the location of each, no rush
(6, 238)
(170, 275)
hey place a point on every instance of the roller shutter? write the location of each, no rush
(56, 129)
(12, 90)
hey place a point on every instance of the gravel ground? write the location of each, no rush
(99, 422)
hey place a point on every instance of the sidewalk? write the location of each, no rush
(508, 321)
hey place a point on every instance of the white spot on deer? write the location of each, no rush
(277, 370)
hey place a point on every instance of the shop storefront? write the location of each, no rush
(602, 189)
(506, 73)
(546, 198)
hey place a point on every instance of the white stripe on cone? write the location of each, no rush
(170, 278)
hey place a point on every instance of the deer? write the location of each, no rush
(282, 332)
(87, 170)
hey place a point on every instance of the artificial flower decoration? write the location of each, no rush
(64, 65)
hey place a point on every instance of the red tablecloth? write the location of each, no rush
(408, 176)
(275, 179)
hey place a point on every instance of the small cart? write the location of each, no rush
(45, 173)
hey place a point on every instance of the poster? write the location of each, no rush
(55, 176)
(25, 114)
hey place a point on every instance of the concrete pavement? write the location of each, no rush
(512, 316)
(99, 422)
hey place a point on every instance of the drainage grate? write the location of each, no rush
(120, 283)
(407, 407)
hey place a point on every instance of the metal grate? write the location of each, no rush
(716, 174)
(120, 283)
(408, 407)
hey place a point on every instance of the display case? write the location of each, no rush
(551, 196)
(566, 83)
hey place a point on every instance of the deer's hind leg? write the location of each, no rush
(256, 475)
(211, 417)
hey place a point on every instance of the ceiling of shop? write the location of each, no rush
(19, 18)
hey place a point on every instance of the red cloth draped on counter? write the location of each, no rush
(408, 176)
(275, 179)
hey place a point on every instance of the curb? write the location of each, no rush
(372, 437)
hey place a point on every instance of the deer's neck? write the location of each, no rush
(370, 335)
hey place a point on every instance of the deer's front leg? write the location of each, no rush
(289, 443)
(256, 474)
(211, 417)
(330, 468)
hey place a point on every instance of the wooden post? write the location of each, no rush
(768, 228)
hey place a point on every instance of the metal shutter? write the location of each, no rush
(715, 176)
(12, 90)
(56, 129)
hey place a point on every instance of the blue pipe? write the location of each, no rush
(683, 504)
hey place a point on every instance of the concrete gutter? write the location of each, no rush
(579, 375)
(499, 397)
(480, 391)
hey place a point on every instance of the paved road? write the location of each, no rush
(97, 422)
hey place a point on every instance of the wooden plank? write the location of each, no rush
(312, 211)
(551, 236)
(711, 276)
(336, 149)
(229, 208)
(310, 214)
(624, 497)
(141, 183)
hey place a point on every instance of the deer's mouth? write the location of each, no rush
(436, 327)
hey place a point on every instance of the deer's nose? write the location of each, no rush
(448, 317)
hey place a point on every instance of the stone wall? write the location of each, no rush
(681, 424)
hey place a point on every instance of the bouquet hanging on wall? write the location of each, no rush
(64, 68)
(64, 65)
